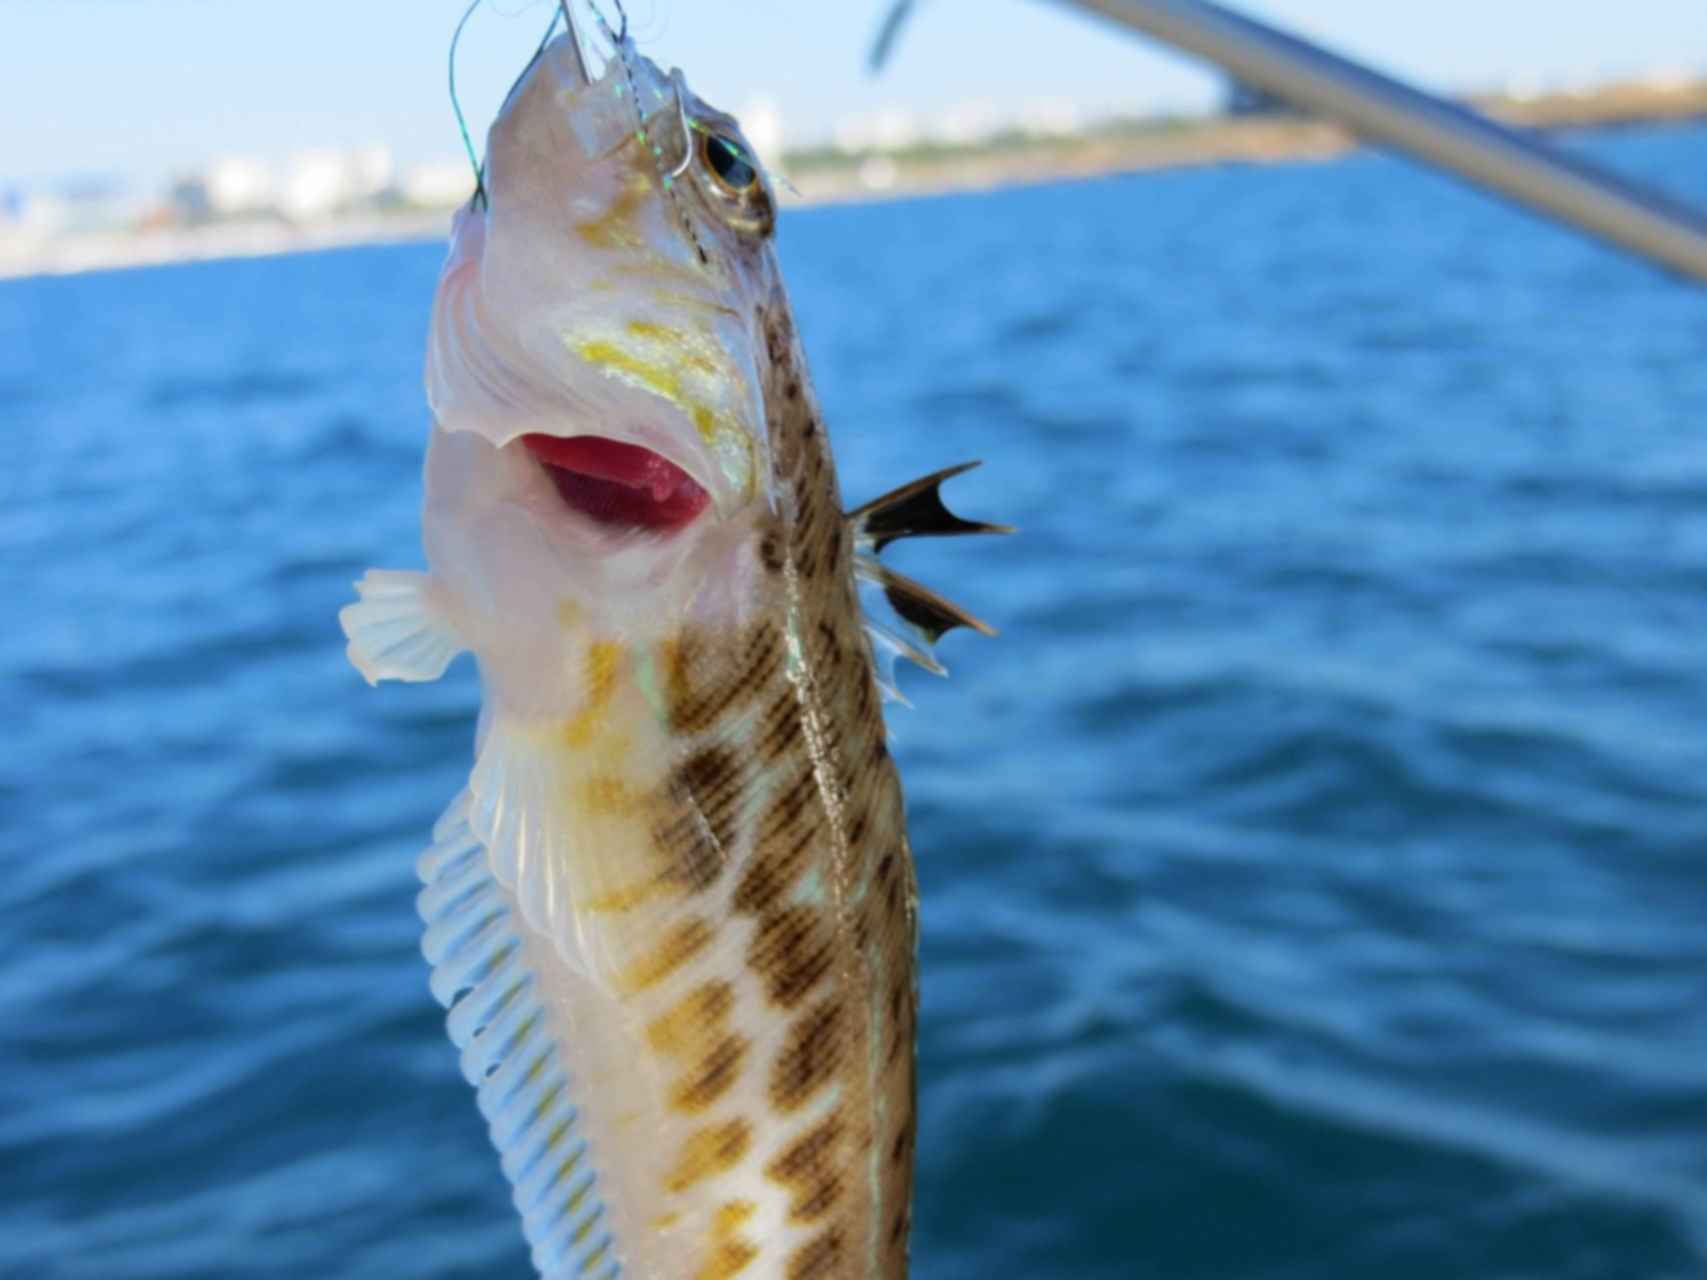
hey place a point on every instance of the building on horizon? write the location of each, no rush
(239, 185)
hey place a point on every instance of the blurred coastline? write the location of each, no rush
(238, 209)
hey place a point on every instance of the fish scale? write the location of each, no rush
(673, 916)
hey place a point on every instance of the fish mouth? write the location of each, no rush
(618, 485)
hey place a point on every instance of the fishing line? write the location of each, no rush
(574, 39)
(667, 180)
(621, 12)
(479, 197)
(550, 30)
(619, 39)
(456, 106)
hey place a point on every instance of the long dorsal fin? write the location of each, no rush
(921, 607)
(915, 510)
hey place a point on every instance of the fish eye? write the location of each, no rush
(728, 163)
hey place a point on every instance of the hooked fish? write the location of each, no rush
(673, 912)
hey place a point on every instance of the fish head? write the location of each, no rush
(596, 369)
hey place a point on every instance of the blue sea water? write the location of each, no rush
(1313, 871)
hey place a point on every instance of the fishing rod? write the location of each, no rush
(1444, 134)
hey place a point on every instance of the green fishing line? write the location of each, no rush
(456, 107)
(474, 162)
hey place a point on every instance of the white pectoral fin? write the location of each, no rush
(398, 629)
(518, 809)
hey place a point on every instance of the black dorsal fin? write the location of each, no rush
(915, 510)
(921, 607)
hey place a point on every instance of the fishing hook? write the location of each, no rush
(680, 84)
(575, 41)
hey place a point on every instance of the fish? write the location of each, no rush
(673, 912)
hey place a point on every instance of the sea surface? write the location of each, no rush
(1314, 871)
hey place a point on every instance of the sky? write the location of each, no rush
(142, 89)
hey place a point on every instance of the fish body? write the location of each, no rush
(673, 913)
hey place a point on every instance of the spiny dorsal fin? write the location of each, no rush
(913, 510)
(922, 608)
(892, 645)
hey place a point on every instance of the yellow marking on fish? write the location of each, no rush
(590, 1263)
(684, 1025)
(678, 344)
(558, 1133)
(583, 1231)
(732, 1215)
(694, 303)
(627, 897)
(708, 1152)
(615, 228)
(603, 662)
(544, 1104)
(677, 653)
(607, 355)
(730, 1254)
(610, 796)
(659, 378)
(681, 944)
(562, 1174)
(729, 1258)
(695, 1033)
(664, 1221)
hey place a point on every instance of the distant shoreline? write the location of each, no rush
(826, 178)
(128, 250)
(1151, 146)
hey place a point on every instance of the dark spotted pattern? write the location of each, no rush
(703, 803)
(780, 729)
(702, 688)
(811, 851)
(782, 858)
(712, 1076)
(813, 1171)
(792, 950)
(824, 1257)
(865, 877)
(811, 1055)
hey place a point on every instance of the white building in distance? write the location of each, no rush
(319, 183)
(237, 185)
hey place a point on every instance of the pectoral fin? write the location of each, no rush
(397, 630)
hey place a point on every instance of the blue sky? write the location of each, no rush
(145, 87)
